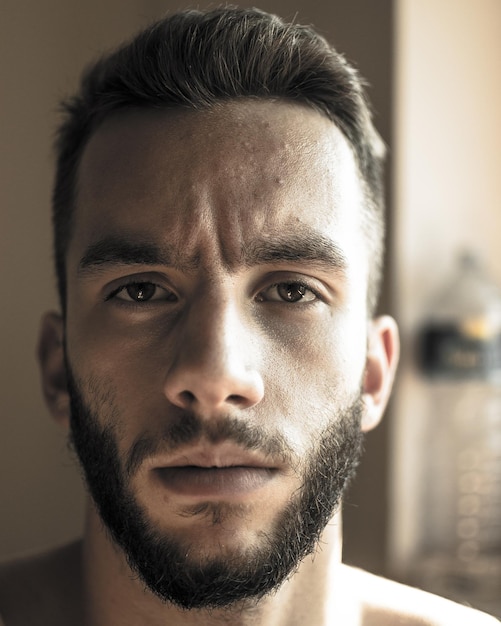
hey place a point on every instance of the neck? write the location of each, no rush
(114, 595)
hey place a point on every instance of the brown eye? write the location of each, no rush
(291, 292)
(141, 292)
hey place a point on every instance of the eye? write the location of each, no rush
(291, 292)
(142, 292)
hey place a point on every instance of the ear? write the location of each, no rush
(382, 358)
(53, 367)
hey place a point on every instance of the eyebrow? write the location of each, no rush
(122, 250)
(308, 247)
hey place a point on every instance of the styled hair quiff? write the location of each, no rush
(194, 59)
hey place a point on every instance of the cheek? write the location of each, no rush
(118, 374)
(312, 376)
(99, 341)
(332, 350)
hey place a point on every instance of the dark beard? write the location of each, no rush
(165, 564)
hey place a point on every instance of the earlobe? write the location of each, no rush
(382, 358)
(53, 367)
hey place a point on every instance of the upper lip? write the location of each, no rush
(213, 456)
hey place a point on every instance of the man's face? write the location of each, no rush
(216, 328)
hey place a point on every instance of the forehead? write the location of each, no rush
(226, 175)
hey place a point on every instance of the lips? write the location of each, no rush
(219, 471)
(224, 454)
(198, 481)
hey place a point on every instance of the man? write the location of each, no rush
(218, 244)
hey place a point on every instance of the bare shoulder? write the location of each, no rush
(45, 584)
(387, 603)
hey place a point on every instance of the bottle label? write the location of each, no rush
(450, 352)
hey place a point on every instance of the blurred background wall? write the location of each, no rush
(433, 66)
(447, 195)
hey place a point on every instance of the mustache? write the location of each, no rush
(188, 428)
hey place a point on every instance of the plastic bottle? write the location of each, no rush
(459, 555)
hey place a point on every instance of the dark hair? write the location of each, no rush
(194, 59)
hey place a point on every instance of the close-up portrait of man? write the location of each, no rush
(218, 353)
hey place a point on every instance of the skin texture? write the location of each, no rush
(239, 230)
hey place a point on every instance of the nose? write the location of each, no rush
(215, 366)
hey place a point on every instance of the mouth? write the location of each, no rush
(218, 482)
(223, 471)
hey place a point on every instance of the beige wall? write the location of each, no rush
(447, 190)
(44, 45)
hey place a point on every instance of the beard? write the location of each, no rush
(164, 563)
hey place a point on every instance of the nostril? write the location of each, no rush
(187, 398)
(236, 399)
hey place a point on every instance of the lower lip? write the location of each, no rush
(214, 481)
